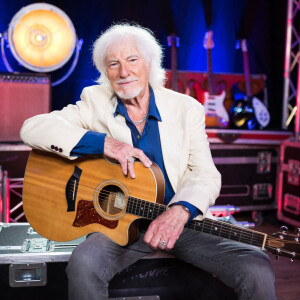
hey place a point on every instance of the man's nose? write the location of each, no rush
(124, 71)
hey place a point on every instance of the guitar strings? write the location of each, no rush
(256, 238)
(223, 226)
(159, 208)
(291, 254)
(226, 228)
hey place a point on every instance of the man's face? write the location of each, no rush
(126, 69)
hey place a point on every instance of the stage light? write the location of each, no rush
(41, 36)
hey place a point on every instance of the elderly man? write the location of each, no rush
(131, 116)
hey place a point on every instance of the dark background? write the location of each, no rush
(263, 23)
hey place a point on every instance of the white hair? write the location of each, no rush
(146, 43)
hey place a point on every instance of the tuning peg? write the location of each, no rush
(284, 229)
(298, 231)
(291, 259)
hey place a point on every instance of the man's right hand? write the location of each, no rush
(122, 152)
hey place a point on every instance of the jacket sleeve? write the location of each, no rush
(59, 131)
(201, 182)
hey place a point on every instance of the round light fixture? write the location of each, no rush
(41, 37)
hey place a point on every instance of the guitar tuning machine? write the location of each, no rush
(298, 231)
(284, 229)
(173, 40)
(292, 258)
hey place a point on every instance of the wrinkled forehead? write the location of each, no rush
(122, 48)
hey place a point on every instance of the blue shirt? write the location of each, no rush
(93, 143)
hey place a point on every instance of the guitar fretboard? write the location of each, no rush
(211, 89)
(246, 68)
(151, 210)
(145, 209)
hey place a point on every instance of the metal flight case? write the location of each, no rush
(32, 267)
(288, 195)
(248, 162)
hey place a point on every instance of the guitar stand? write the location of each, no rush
(225, 213)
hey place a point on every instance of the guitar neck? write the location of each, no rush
(210, 73)
(151, 210)
(229, 231)
(246, 69)
(173, 42)
(174, 68)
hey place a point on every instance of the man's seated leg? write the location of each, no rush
(93, 263)
(245, 268)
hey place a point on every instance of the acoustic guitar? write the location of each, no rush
(66, 199)
(215, 112)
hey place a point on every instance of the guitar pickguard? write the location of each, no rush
(215, 112)
(261, 113)
(86, 214)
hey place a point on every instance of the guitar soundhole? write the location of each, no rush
(112, 199)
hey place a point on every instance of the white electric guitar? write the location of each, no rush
(215, 112)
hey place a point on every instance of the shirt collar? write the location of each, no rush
(153, 110)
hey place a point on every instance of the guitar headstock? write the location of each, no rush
(173, 41)
(283, 244)
(243, 45)
(208, 42)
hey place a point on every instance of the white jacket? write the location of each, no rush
(184, 143)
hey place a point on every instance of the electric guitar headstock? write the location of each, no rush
(174, 44)
(283, 244)
(208, 42)
(243, 45)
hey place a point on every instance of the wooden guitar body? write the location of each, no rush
(66, 199)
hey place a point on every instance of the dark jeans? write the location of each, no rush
(244, 268)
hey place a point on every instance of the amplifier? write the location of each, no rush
(21, 97)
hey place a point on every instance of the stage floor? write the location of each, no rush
(287, 273)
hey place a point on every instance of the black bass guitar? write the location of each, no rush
(248, 111)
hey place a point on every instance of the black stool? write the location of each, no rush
(170, 279)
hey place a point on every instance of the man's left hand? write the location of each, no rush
(164, 231)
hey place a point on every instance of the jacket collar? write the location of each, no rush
(170, 130)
